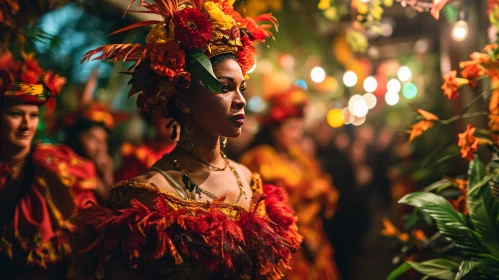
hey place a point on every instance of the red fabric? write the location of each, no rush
(62, 184)
(213, 240)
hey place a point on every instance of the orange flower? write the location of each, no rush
(167, 59)
(246, 55)
(389, 229)
(404, 237)
(468, 143)
(419, 235)
(451, 84)
(437, 6)
(418, 128)
(490, 47)
(54, 82)
(472, 71)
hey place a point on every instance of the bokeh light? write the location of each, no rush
(370, 99)
(409, 91)
(318, 74)
(393, 85)
(404, 73)
(335, 118)
(350, 79)
(370, 84)
(392, 98)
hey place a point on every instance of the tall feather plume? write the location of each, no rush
(115, 52)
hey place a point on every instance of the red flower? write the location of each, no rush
(246, 55)
(6, 61)
(192, 28)
(31, 64)
(167, 59)
(54, 82)
(30, 77)
(468, 143)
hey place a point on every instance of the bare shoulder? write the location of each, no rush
(246, 173)
(157, 179)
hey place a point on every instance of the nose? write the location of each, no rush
(25, 123)
(239, 101)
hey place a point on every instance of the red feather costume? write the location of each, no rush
(150, 234)
(34, 227)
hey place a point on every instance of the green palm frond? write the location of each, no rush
(483, 209)
(450, 223)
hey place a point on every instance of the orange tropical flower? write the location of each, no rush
(468, 143)
(437, 6)
(490, 47)
(418, 128)
(404, 237)
(452, 84)
(389, 229)
(472, 71)
(419, 235)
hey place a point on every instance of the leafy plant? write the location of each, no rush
(476, 235)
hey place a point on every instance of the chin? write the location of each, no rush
(233, 133)
(21, 143)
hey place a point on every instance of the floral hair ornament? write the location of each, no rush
(180, 46)
(25, 82)
(289, 103)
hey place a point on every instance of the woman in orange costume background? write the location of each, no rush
(137, 159)
(194, 214)
(41, 185)
(277, 156)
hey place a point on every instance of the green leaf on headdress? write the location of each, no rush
(200, 67)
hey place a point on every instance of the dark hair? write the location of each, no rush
(72, 133)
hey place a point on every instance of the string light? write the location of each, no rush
(347, 116)
(460, 30)
(370, 84)
(318, 74)
(404, 73)
(359, 121)
(350, 79)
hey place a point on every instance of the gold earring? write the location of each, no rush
(186, 110)
(224, 142)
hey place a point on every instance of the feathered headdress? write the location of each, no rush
(180, 45)
(25, 82)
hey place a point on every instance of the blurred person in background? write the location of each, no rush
(41, 185)
(87, 133)
(276, 153)
(136, 159)
(351, 221)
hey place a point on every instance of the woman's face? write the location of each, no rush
(221, 114)
(18, 125)
(289, 132)
(93, 142)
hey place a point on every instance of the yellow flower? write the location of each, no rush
(324, 4)
(218, 17)
(158, 34)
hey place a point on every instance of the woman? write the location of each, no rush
(195, 214)
(137, 159)
(87, 133)
(278, 156)
(41, 186)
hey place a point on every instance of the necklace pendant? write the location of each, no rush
(198, 192)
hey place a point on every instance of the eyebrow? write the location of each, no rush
(230, 79)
